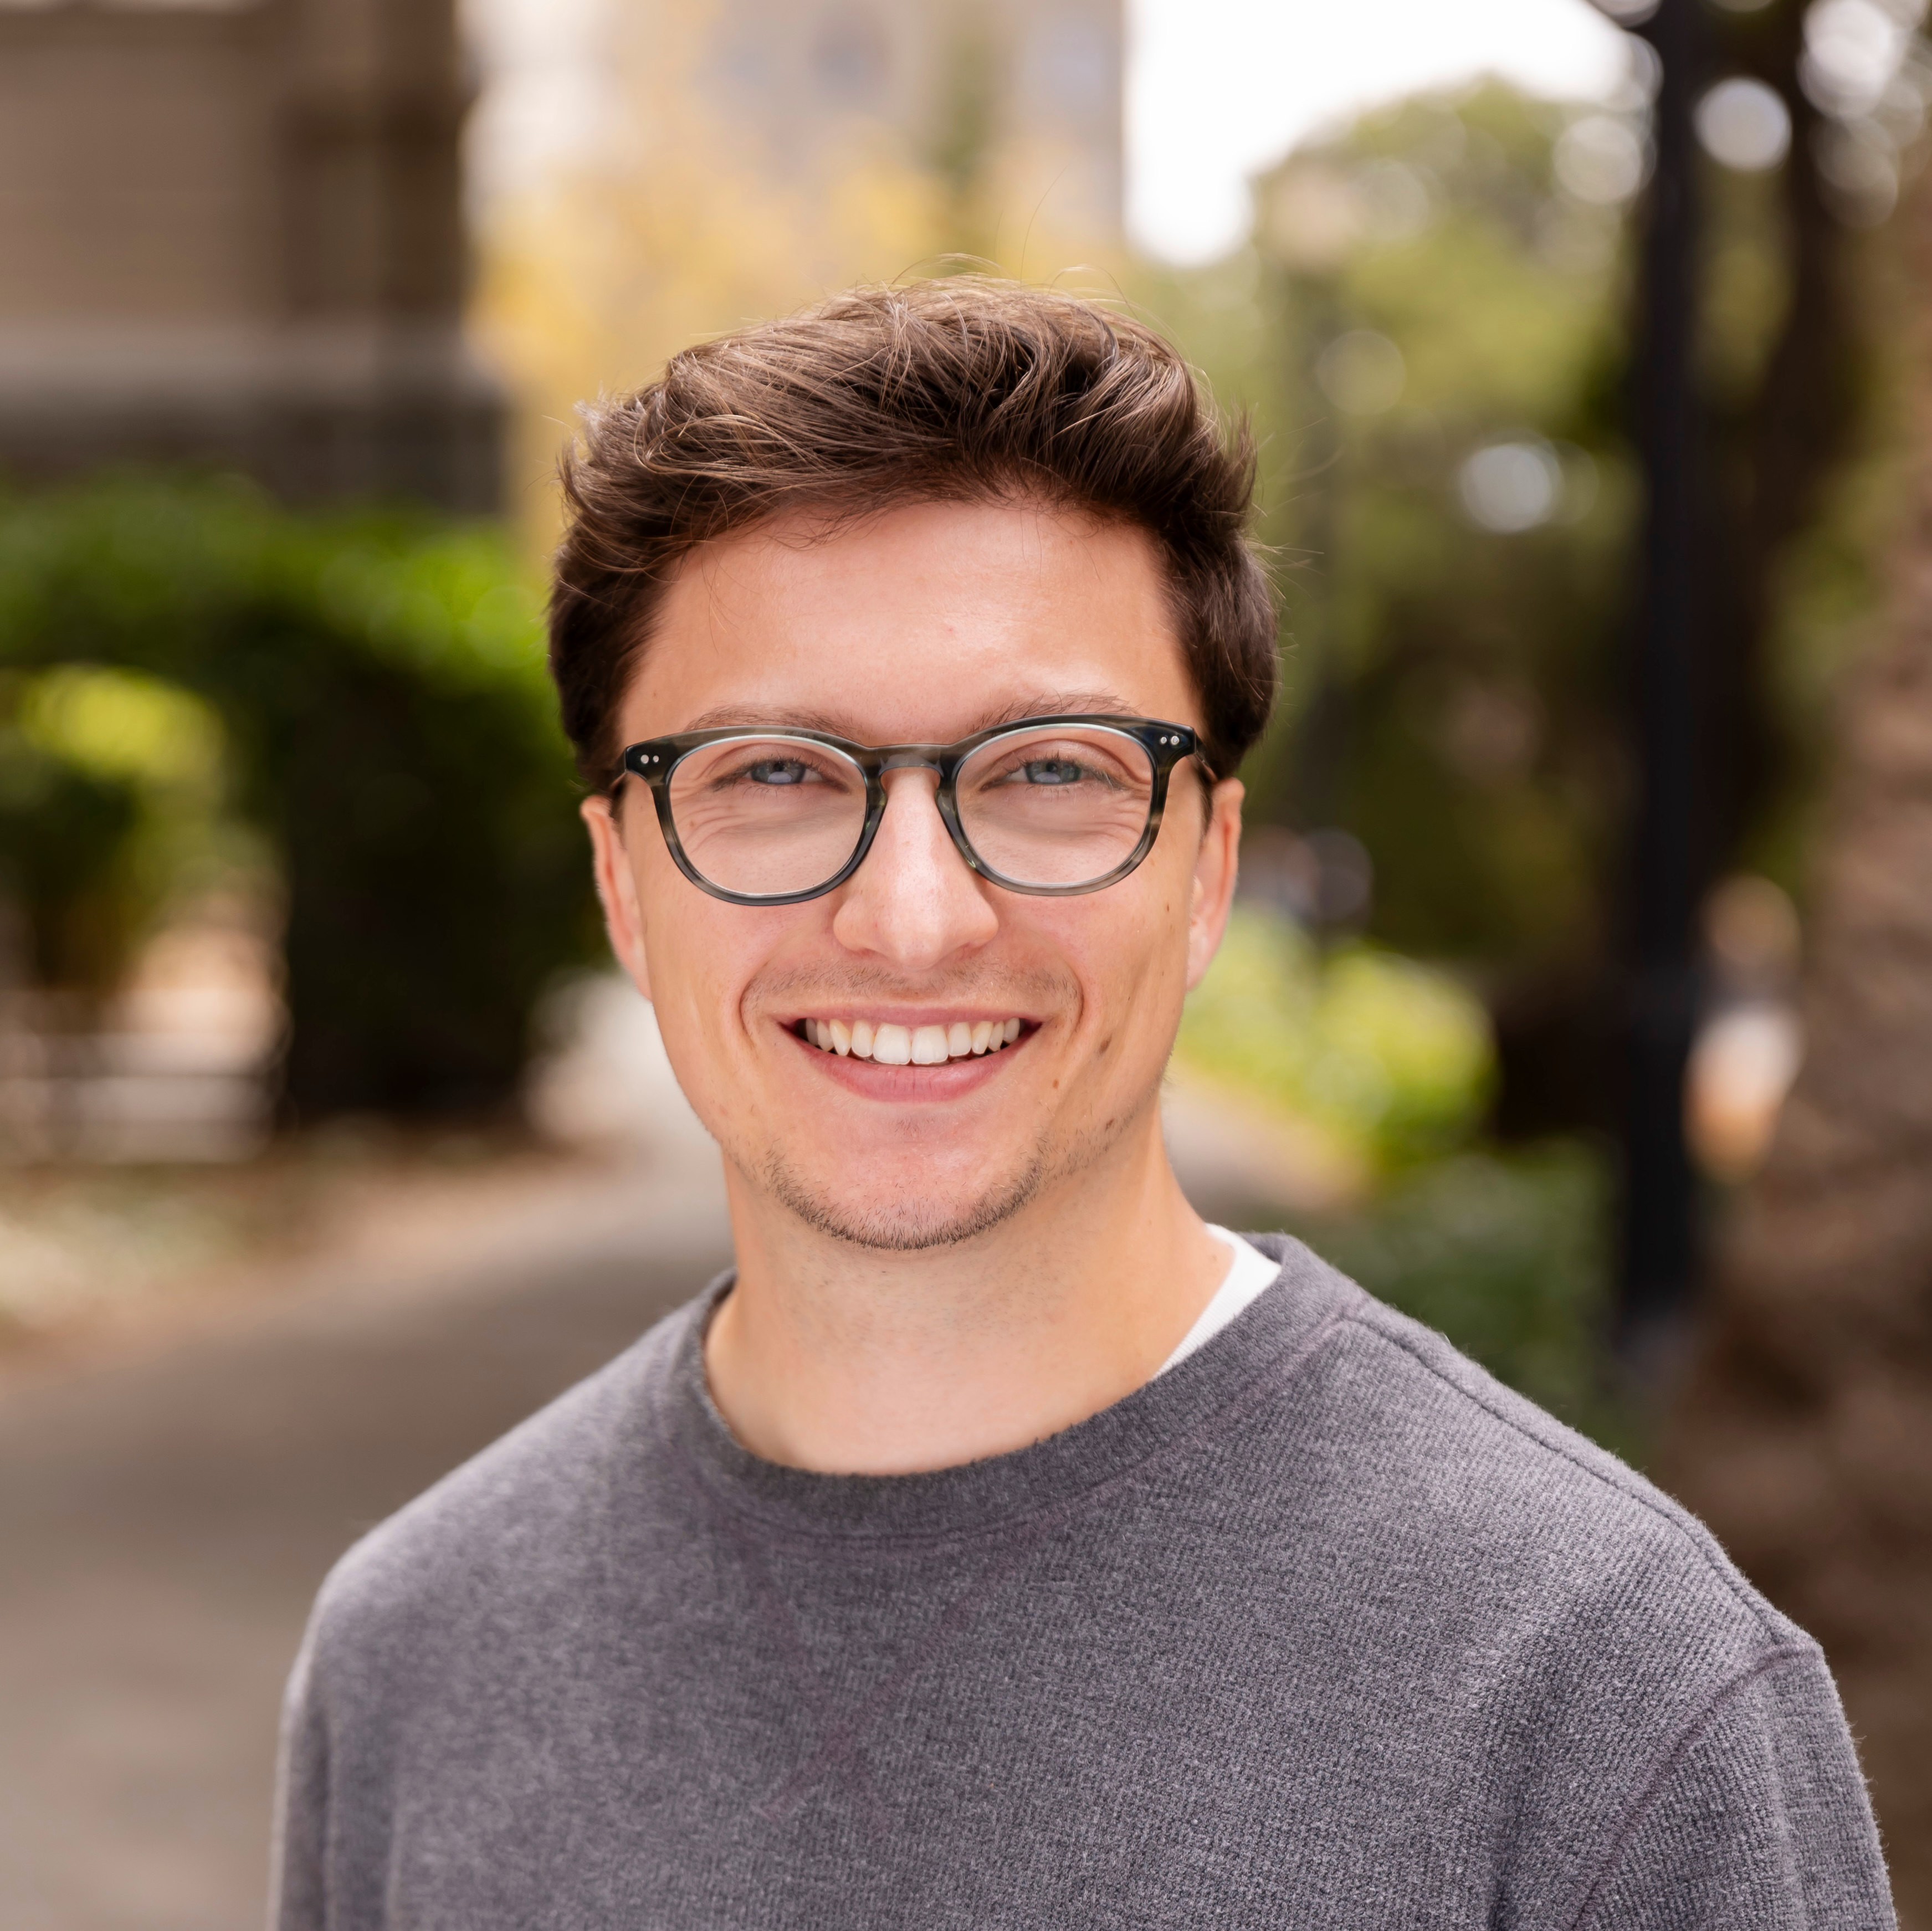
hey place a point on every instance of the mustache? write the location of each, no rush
(966, 984)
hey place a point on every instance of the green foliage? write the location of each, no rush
(1458, 703)
(65, 832)
(1389, 1060)
(121, 726)
(1451, 693)
(1456, 693)
(378, 685)
(115, 784)
(1507, 1256)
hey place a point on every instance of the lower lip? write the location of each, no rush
(871, 1080)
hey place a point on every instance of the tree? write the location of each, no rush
(1804, 1432)
(1448, 484)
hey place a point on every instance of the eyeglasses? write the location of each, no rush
(1053, 805)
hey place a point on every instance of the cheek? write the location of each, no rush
(692, 947)
(706, 957)
(1131, 962)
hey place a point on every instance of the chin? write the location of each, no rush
(900, 1222)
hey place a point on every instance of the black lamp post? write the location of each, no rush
(1667, 856)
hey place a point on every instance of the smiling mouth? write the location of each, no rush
(887, 1044)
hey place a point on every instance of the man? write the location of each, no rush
(999, 1544)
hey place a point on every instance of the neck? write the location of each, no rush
(857, 1360)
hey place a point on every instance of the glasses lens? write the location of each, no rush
(1056, 805)
(768, 816)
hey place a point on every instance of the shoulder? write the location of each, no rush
(514, 1522)
(1471, 1475)
(1478, 1561)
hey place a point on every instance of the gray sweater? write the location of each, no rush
(1321, 1628)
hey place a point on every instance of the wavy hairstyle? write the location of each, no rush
(963, 389)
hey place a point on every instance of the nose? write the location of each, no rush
(914, 901)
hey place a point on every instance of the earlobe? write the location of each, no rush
(617, 890)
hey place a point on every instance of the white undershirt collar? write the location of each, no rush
(1250, 1274)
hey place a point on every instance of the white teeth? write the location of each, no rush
(892, 1045)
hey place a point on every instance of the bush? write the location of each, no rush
(379, 680)
(64, 832)
(111, 789)
(1388, 1061)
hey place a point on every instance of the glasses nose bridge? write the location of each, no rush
(926, 757)
(913, 757)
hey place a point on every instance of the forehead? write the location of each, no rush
(918, 624)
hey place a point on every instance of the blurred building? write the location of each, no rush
(805, 88)
(952, 81)
(232, 236)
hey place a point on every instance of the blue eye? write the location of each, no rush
(777, 771)
(1052, 771)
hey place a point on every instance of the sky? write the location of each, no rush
(1217, 89)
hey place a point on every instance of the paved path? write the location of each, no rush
(165, 1519)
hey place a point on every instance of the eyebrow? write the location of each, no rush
(1039, 704)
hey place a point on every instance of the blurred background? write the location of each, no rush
(1578, 1000)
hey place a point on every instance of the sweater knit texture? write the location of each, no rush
(1322, 1627)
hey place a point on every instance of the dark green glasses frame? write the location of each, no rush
(655, 759)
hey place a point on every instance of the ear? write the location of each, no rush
(617, 890)
(1215, 867)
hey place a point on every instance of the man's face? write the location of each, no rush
(919, 626)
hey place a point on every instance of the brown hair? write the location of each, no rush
(961, 389)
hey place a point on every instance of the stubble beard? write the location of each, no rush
(905, 1230)
(912, 1227)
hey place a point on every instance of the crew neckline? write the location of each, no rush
(1267, 1343)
